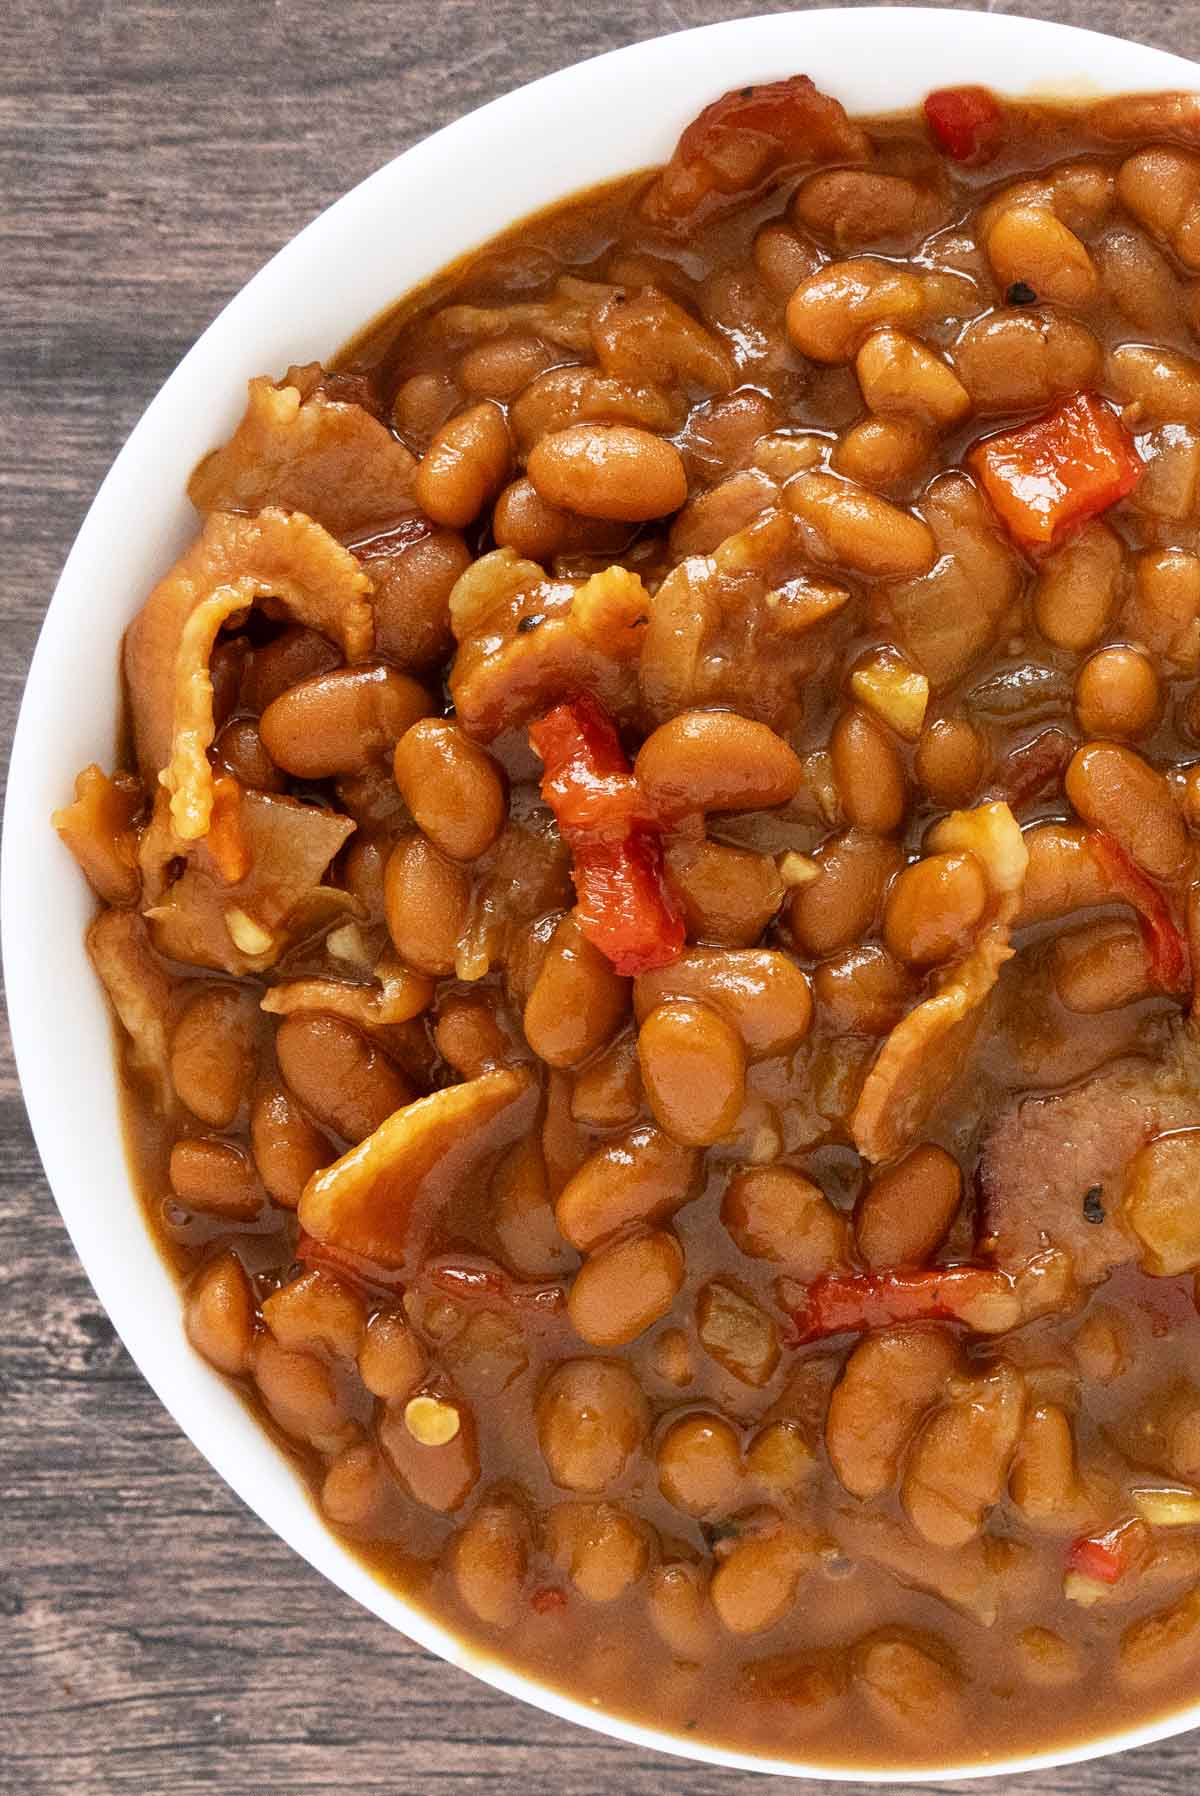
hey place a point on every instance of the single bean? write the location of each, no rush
(1078, 587)
(453, 788)
(774, 1213)
(217, 1177)
(239, 750)
(592, 1418)
(303, 1396)
(715, 761)
(863, 991)
(852, 527)
(288, 1149)
(882, 452)
(341, 722)
(1113, 789)
(728, 895)
(1032, 245)
(608, 471)
(839, 907)
(933, 906)
(900, 376)
(1017, 359)
(343, 1080)
(608, 1092)
(625, 1288)
(219, 1314)
(317, 1311)
(640, 1177)
(693, 1071)
(1117, 693)
(391, 1360)
(212, 1054)
(762, 992)
(869, 773)
(756, 1585)
(959, 1463)
(910, 1690)
(577, 1003)
(293, 656)
(908, 1209)
(501, 367)
(489, 1561)
(411, 601)
(677, 1596)
(950, 761)
(1100, 967)
(1045, 1484)
(465, 465)
(426, 900)
(602, 1550)
(439, 1472)
(700, 1465)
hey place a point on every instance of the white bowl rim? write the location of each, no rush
(42, 907)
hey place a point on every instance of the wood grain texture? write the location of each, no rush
(154, 1638)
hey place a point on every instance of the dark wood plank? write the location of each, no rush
(154, 1638)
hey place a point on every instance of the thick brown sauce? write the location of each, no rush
(612, 1657)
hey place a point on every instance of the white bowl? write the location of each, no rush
(600, 119)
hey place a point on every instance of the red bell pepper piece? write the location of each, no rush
(479, 1283)
(1111, 1556)
(1166, 946)
(1046, 479)
(977, 1296)
(321, 1255)
(965, 121)
(625, 909)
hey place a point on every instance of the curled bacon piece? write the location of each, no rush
(486, 1285)
(978, 1297)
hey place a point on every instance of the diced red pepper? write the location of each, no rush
(747, 136)
(1111, 1556)
(625, 908)
(965, 121)
(322, 1255)
(478, 1282)
(1048, 478)
(1167, 955)
(548, 1599)
(977, 1296)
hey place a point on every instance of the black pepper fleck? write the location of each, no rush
(1021, 294)
(1093, 1209)
(526, 624)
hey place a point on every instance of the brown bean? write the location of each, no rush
(341, 722)
(219, 1315)
(489, 1560)
(608, 1092)
(700, 1465)
(293, 656)
(762, 992)
(869, 773)
(1099, 967)
(756, 1584)
(577, 1003)
(287, 1148)
(1162, 1645)
(720, 511)
(728, 895)
(1045, 1484)
(317, 1311)
(426, 899)
(608, 471)
(901, 376)
(216, 1177)
(737, 1332)
(1164, 613)
(625, 1288)
(212, 1054)
(1078, 587)
(642, 1176)
(933, 907)
(422, 403)
(239, 750)
(591, 1419)
(784, 257)
(693, 1071)
(774, 1213)
(602, 1550)
(913, 1692)
(1062, 875)
(411, 600)
(831, 311)
(857, 206)
(343, 1080)
(863, 990)
(465, 465)
(1161, 187)
(1031, 244)
(1113, 789)
(840, 907)
(453, 788)
(1014, 360)
(524, 521)
(1117, 693)
(882, 452)
(959, 1463)
(677, 1597)
(891, 1379)
(906, 1212)
(1047, 1660)
(715, 761)
(391, 1360)
(500, 367)
(950, 760)
(849, 526)
(303, 1396)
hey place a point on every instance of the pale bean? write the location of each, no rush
(1139, 280)
(602, 1549)
(677, 1598)
(500, 367)
(341, 722)
(1160, 1203)
(1154, 384)
(849, 526)
(489, 1559)
(303, 1396)
(608, 471)
(391, 1360)
(784, 258)
(757, 1583)
(910, 1689)
(700, 1465)
(355, 1487)
(888, 1384)
(774, 1213)
(839, 907)
(863, 990)
(219, 1315)
(1161, 187)
(1117, 693)
(577, 1003)
(1047, 1660)
(882, 452)
(422, 403)
(901, 376)
(641, 1177)
(317, 1311)
(648, 339)
(1165, 1644)
(763, 993)
(831, 312)
(1045, 1482)
(453, 788)
(625, 1288)
(217, 1177)
(737, 1332)
(728, 895)
(1014, 360)
(1078, 587)
(342, 1079)
(1164, 613)
(212, 1054)
(1063, 875)
(288, 1149)
(592, 1418)
(908, 1209)
(468, 1036)
(715, 761)
(524, 521)
(933, 907)
(708, 518)
(1031, 244)
(1113, 789)
(426, 900)
(869, 773)
(465, 465)
(950, 761)
(959, 1462)
(693, 1071)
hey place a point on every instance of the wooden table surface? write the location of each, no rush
(154, 1637)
